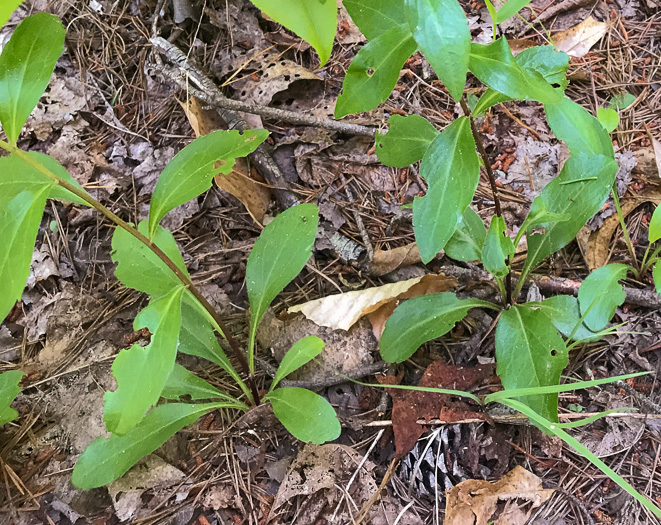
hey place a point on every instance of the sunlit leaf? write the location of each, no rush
(497, 248)
(467, 241)
(6, 10)
(191, 171)
(375, 17)
(609, 118)
(141, 372)
(306, 415)
(374, 71)
(9, 389)
(656, 274)
(406, 141)
(530, 352)
(315, 21)
(441, 30)
(107, 459)
(654, 233)
(452, 170)
(510, 8)
(303, 351)
(600, 294)
(26, 65)
(422, 319)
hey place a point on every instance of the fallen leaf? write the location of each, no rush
(657, 154)
(578, 40)
(386, 261)
(341, 311)
(254, 196)
(411, 405)
(475, 502)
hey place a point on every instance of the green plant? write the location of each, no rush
(532, 339)
(178, 317)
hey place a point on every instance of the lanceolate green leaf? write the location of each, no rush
(26, 65)
(579, 192)
(107, 459)
(139, 268)
(303, 351)
(190, 172)
(406, 141)
(422, 319)
(494, 65)
(20, 216)
(497, 248)
(563, 312)
(6, 10)
(375, 17)
(183, 382)
(530, 352)
(451, 168)
(467, 241)
(307, 416)
(441, 30)
(141, 372)
(374, 71)
(9, 389)
(654, 233)
(600, 294)
(656, 274)
(510, 8)
(315, 21)
(280, 253)
(581, 131)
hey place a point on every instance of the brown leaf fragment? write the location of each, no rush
(578, 40)
(411, 405)
(515, 495)
(386, 261)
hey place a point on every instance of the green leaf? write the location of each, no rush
(579, 192)
(302, 352)
(190, 172)
(6, 10)
(26, 65)
(540, 215)
(581, 131)
(374, 71)
(467, 241)
(609, 118)
(656, 274)
(441, 30)
(307, 416)
(280, 253)
(494, 65)
(493, 14)
(406, 141)
(510, 8)
(621, 101)
(563, 312)
(141, 372)
(422, 319)
(601, 293)
(315, 21)
(546, 60)
(9, 389)
(107, 459)
(452, 171)
(654, 233)
(375, 17)
(497, 248)
(530, 352)
(20, 216)
(140, 268)
(183, 382)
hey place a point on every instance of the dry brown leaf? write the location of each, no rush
(341, 311)
(595, 245)
(255, 197)
(657, 154)
(474, 502)
(386, 261)
(578, 40)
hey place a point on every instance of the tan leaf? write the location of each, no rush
(474, 502)
(255, 197)
(386, 261)
(657, 154)
(578, 40)
(341, 311)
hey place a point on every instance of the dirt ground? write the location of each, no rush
(114, 120)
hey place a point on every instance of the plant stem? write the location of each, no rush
(492, 182)
(151, 245)
(625, 232)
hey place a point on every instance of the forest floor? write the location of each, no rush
(114, 121)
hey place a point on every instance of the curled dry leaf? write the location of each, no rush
(475, 502)
(578, 40)
(341, 311)
(254, 196)
(386, 261)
